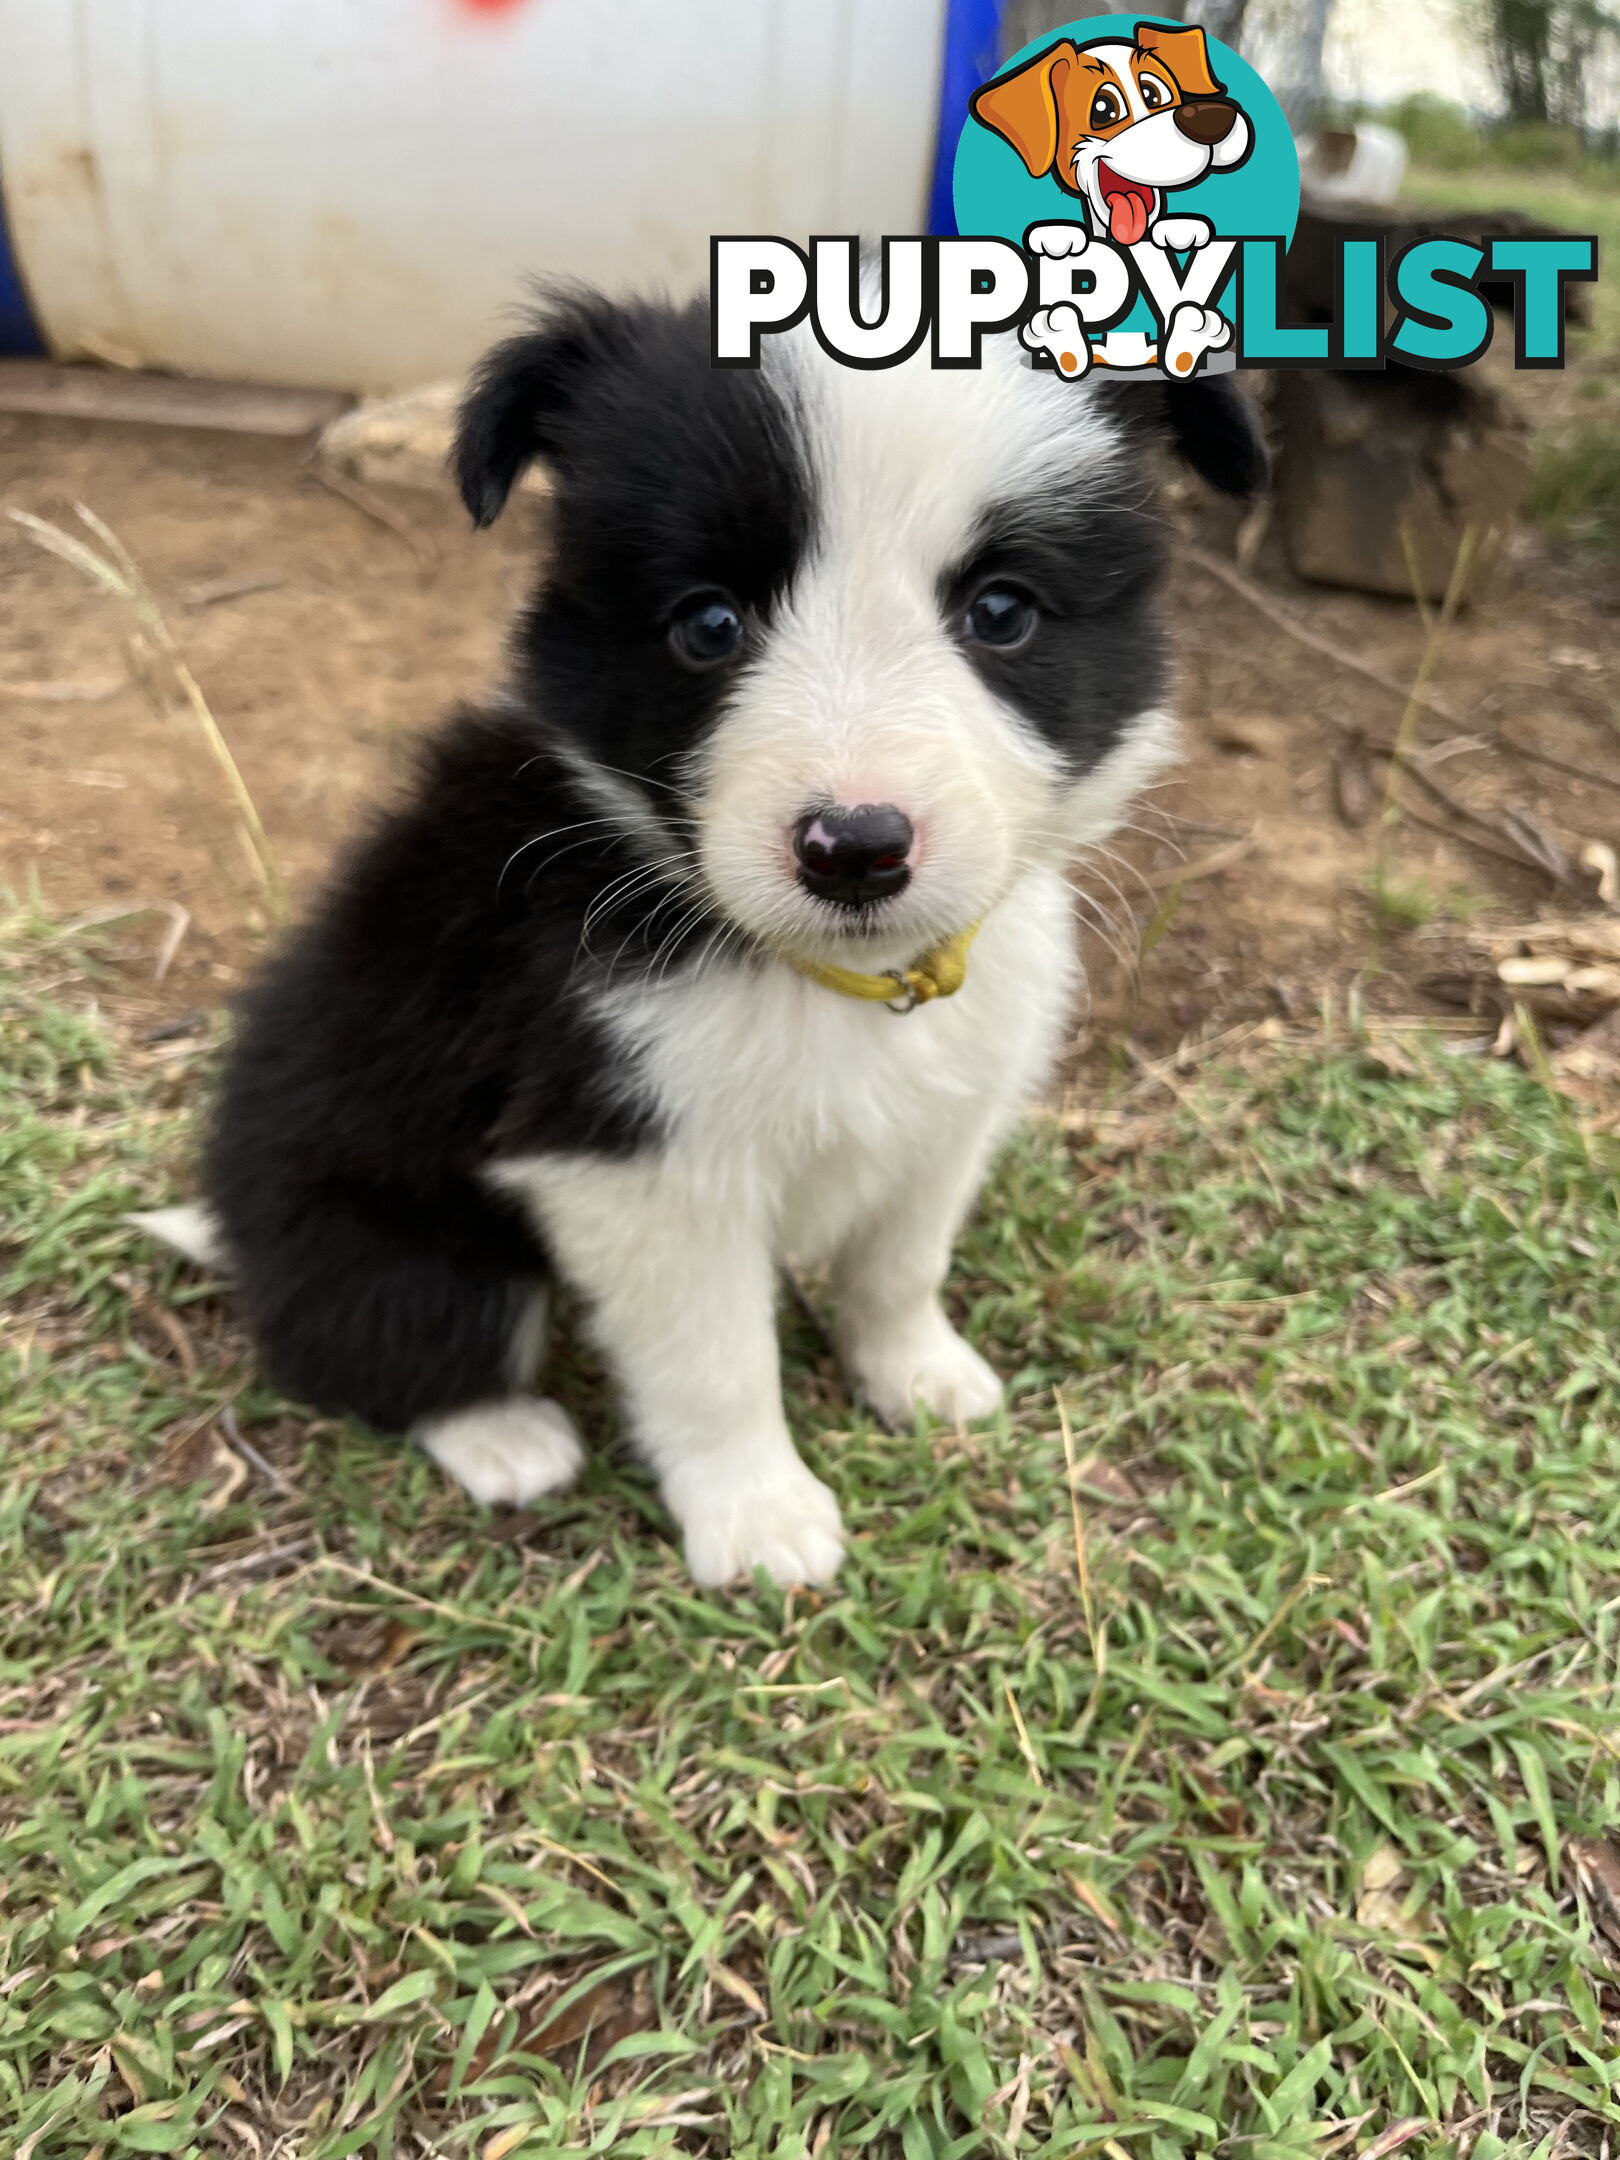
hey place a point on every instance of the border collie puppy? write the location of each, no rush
(736, 929)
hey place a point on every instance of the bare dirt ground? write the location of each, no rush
(351, 641)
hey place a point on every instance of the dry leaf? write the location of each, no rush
(1534, 971)
(596, 2020)
(1251, 733)
(1600, 862)
(1384, 1866)
(1094, 1903)
(1382, 1900)
(1593, 1057)
(508, 2140)
(1595, 1864)
(1397, 2135)
(1588, 936)
(1389, 1057)
(1227, 1810)
(232, 1474)
(1528, 833)
(399, 1640)
(1355, 792)
(1095, 1475)
(738, 1988)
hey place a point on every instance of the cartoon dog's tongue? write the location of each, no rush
(1128, 206)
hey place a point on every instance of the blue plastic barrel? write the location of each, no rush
(972, 50)
(19, 333)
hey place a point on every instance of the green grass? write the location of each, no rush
(1575, 486)
(338, 1818)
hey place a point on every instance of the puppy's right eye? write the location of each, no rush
(1003, 616)
(707, 629)
(1106, 109)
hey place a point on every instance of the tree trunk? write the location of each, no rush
(1300, 93)
(1222, 19)
(1026, 20)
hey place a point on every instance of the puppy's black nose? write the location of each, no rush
(854, 856)
(1206, 120)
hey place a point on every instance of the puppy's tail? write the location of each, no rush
(193, 1231)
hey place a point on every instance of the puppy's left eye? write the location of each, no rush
(1001, 616)
(1154, 94)
(707, 629)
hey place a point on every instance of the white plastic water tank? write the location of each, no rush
(352, 192)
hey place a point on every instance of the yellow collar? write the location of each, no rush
(939, 973)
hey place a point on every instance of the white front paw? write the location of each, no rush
(1057, 240)
(738, 1515)
(926, 1364)
(505, 1453)
(1181, 233)
(1193, 331)
(1060, 332)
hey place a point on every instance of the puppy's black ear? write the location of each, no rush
(521, 396)
(1217, 430)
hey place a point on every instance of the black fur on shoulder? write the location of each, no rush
(423, 1020)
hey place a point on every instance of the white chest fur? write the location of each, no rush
(797, 1123)
(792, 1108)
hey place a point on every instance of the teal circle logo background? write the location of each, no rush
(993, 193)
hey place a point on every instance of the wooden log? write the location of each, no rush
(129, 394)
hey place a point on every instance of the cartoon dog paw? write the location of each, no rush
(1192, 333)
(1057, 240)
(1060, 332)
(1182, 233)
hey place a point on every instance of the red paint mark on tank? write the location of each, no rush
(489, 7)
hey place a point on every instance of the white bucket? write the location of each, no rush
(353, 192)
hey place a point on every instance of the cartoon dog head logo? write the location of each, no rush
(1119, 124)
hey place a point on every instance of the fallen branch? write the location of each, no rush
(380, 513)
(1467, 839)
(1562, 765)
(1203, 866)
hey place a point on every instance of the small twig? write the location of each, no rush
(410, 1597)
(1211, 865)
(63, 693)
(1467, 839)
(1563, 765)
(1516, 852)
(1096, 1642)
(250, 1454)
(214, 590)
(1401, 758)
(1024, 1747)
(1414, 768)
(179, 924)
(381, 513)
